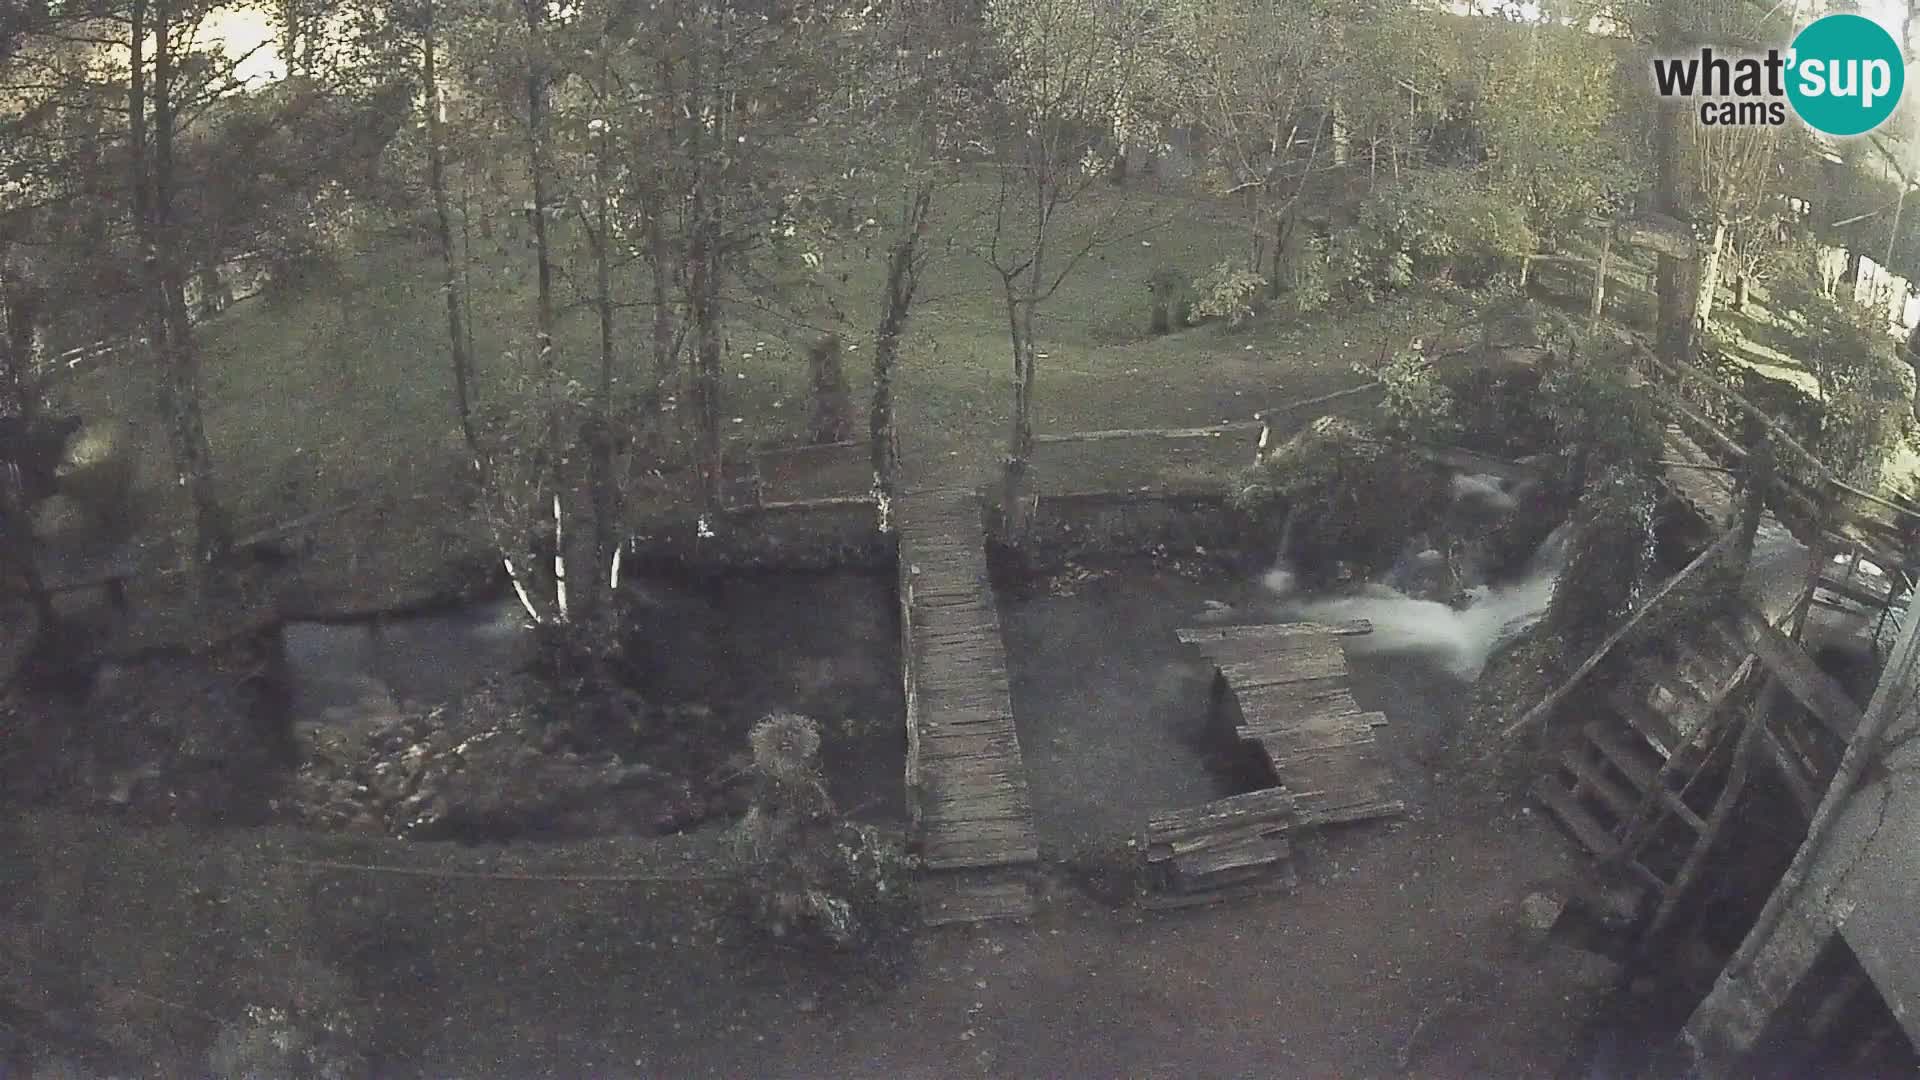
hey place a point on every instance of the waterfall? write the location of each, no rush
(1458, 640)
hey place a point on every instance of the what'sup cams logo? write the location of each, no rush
(1843, 76)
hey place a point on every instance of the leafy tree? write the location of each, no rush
(1252, 76)
(1071, 71)
(1546, 106)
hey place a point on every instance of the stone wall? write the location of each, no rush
(1072, 528)
(825, 534)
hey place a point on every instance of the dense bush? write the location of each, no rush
(1601, 418)
(1609, 556)
(809, 876)
(1338, 492)
(1862, 409)
(1227, 291)
(1418, 405)
(1172, 297)
(1435, 225)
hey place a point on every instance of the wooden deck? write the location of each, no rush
(1290, 681)
(972, 812)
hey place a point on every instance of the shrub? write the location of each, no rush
(1337, 491)
(1311, 280)
(1227, 292)
(1600, 417)
(1418, 405)
(1609, 555)
(1435, 225)
(832, 419)
(1864, 407)
(810, 877)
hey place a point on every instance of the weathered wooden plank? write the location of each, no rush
(1282, 879)
(1658, 233)
(1254, 804)
(1235, 837)
(1258, 853)
(1318, 810)
(1200, 634)
(1800, 676)
(1278, 652)
(1311, 727)
(1255, 674)
(967, 901)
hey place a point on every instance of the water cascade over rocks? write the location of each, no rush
(1456, 637)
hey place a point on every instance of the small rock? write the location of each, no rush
(1539, 912)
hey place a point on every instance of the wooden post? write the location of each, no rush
(1722, 809)
(1599, 303)
(1890, 699)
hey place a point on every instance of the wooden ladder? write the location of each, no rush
(1628, 783)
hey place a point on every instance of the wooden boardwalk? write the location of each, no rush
(1291, 684)
(972, 811)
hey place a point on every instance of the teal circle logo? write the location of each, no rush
(1845, 75)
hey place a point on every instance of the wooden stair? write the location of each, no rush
(1603, 787)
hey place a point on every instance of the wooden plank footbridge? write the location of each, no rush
(1285, 686)
(966, 780)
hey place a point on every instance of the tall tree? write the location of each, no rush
(1072, 72)
(154, 97)
(1253, 77)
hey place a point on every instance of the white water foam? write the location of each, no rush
(1459, 640)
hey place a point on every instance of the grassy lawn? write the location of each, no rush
(337, 389)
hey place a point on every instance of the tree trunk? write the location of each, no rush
(443, 236)
(703, 309)
(17, 400)
(903, 277)
(595, 576)
(1677, 278)
(703, 286)
(168, 326)
(1710, 276)
(666, 360)
(1016, 517)
(558, 476)
(1742, 289)
(1281, 278)
(1599, 303)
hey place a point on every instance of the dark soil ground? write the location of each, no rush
(1401, 954)
(1112, 710)
(822, 645)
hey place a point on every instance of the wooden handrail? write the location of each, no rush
(1553, 699)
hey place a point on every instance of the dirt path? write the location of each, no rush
(1402, 954)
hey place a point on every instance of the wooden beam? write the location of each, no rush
(1197, 635)
(1540, 711)
(1796, 672)
(1321, 400)
(1212, 431)
(1658, 233)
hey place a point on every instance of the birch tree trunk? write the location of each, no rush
(1677, 278)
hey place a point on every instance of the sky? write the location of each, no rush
(244, 28)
